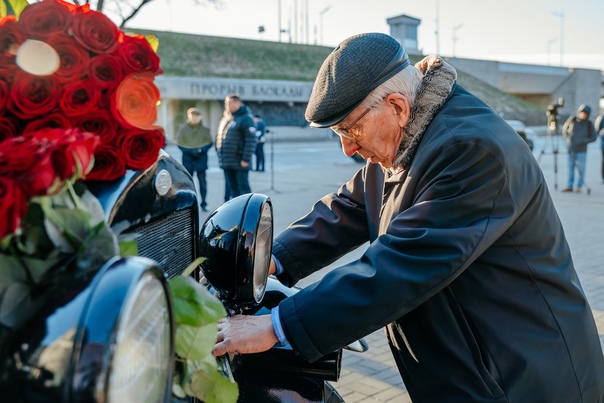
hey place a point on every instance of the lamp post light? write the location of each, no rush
(549, 43)
(454, 38)
(561, 16)
(326, 9)
(279, 18)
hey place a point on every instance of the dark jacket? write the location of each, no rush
(236, 139)
(194, 142)
(468, 266)
(578, 133)
(599, 125)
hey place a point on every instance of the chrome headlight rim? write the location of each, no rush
(115, 291)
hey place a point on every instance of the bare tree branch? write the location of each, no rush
(134, 12)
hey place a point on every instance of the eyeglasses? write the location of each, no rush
(344, 132)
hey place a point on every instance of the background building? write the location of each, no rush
(275, 79)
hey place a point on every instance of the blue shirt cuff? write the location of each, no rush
(276, 321)
(279, 266)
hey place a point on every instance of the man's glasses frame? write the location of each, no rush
(343, 132)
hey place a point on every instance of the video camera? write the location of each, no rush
(552, 113)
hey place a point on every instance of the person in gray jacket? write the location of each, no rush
(235, 145)
(578, 131)
(467, 267)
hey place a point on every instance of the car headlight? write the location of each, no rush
(237, 240)
(125, 342)
(142, 355)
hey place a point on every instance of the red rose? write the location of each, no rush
(100, 123)
(134, 103)
(28, 162)
(138, 56)
(33, 96)
(107, 164)
(80, 98)
(95, 32)
(106, 71)
(44, 19)
(11, 37)
(11, 34)
(140, 148)
(4, 91)
(53, 121)
(73, 59)
(13, 206)
(7, 129)
(71, 150)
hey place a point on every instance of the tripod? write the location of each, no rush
(552, 141)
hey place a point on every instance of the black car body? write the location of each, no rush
(107, 335)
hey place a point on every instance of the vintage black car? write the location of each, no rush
(108, 335)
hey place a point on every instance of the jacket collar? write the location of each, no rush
(437, 85)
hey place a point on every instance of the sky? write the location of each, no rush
(567, 33)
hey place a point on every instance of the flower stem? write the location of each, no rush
(74, 197)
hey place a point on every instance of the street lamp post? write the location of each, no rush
(326, 9)
(279, 17)
(561, 16)
(550, 42)
(455, 28)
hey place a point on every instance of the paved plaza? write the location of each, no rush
(372, 376)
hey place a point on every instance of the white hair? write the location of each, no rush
(406, 82)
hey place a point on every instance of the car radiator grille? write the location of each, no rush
(168, 241)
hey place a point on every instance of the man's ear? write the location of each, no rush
(400, 107)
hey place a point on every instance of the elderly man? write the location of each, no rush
(467, 269)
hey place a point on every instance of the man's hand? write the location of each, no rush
(245, 335)
(244, 164)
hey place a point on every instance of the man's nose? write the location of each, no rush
(349, 147)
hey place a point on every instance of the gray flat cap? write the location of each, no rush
(355, 68)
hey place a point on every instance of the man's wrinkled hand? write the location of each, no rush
(245, 335)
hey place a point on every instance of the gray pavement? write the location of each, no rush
(293, 187)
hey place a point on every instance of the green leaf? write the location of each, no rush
(100, 246)
(92, 205)
(33, 239)
(195, 342)
(153, 42)
(11, 271)
(213, 387)
(193, 303)
(178, 390)
(67, 228)
(17, 7)
(15, 298)
(3, 10)
(191, 267)
(128, 248)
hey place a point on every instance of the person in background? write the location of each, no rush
(578, 131)
(235, 145)
(260, 140)
(467, 268)
(599, 125)
(194, 140)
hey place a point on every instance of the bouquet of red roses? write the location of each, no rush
(77, 102)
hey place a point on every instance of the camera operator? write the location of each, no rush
(578, 131)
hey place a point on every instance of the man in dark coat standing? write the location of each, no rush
(468, 268)
(194, 140)
(235, 145)
(578, 131)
